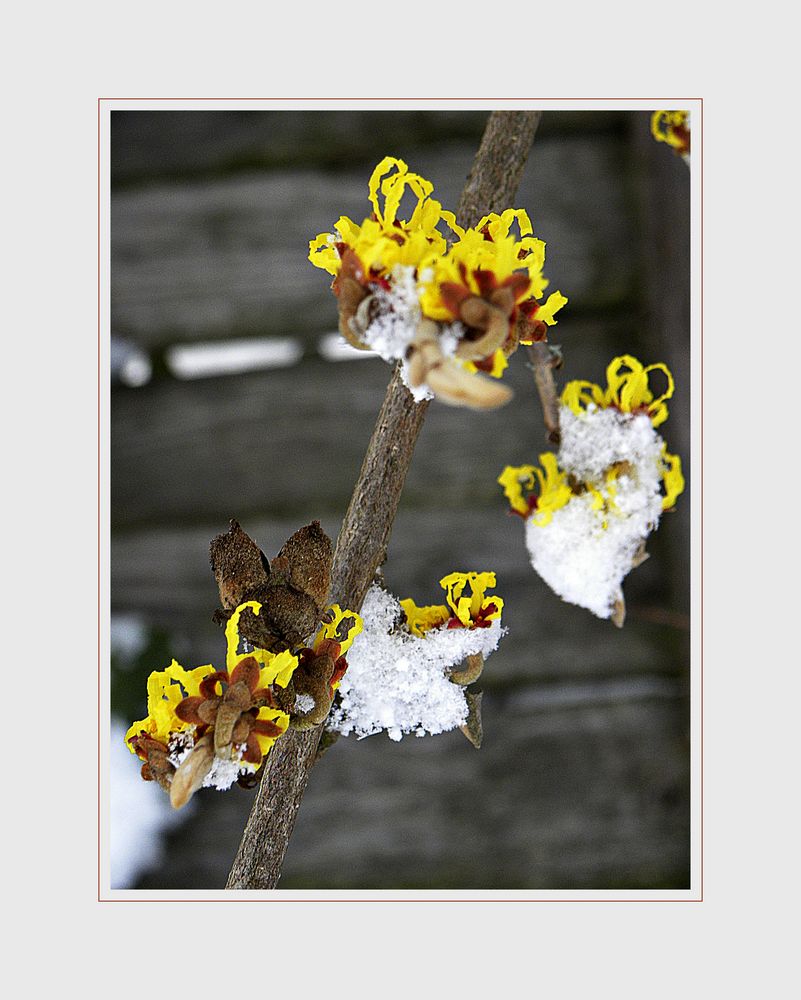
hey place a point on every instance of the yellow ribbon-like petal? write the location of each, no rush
(554, 489)
(275, 668)
(514, 479)
(673, 479)
(420, 620)
(466, 608)
(628, 389)
(165, 689)
(550, 307)
(330, 630)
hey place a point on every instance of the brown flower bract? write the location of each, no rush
(292, 588)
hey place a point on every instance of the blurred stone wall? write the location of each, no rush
(583, 778)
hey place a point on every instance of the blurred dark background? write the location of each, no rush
(583, 778)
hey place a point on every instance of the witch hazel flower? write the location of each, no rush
(450, 310)
(491, 280)
(212, 728)
(673, 128)
(321, 667)
(590, 509)
(409, 670)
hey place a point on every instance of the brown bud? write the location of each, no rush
(235, 701)
(475, 312)
(354, 313)
(312, 679)
(504, 299)
(292, 588)
(238, 564)
(309, 556)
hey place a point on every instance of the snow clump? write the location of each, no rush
(397, 681)
(590, 544)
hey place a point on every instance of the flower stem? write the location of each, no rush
(542, 363)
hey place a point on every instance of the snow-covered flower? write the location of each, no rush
(451, 310)
(402, 674)
(214, 725)
(672, 127)
(591, 508)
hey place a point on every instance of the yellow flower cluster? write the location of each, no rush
(498, 261)
(672, 127)
(537, 492)
(476, 610)
(167, 688)
(488, 257)
(628, 390)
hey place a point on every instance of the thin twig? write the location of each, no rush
(366, 528)
(543, 361)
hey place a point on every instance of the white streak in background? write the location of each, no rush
(140, 814)
(334, 347)
(129, 364)
(232, 357)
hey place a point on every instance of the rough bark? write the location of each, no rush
(365, 531)
(498, 165)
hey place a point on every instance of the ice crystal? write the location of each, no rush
(303, 703)
(180, 746)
